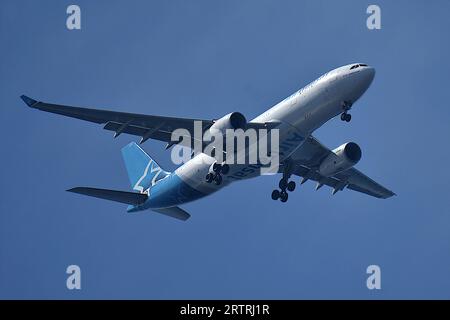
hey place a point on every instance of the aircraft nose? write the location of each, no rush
(369, 74)
(359, 82)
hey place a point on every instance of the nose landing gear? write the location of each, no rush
(345, 116)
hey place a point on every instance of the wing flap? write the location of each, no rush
(144, 132)
(358, 181)
(351, 179)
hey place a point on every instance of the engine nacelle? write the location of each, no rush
(342, 158)
(234, 120)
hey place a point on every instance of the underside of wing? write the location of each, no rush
(145, 126)
(307, 160)
(352, 179)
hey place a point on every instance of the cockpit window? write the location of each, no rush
(358, 65)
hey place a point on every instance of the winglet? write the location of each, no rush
(29, 101)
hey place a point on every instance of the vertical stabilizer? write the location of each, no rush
(143, 171)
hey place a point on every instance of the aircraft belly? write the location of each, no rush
(171, 191)
(290, 140)
(307, 111)
(308, 117)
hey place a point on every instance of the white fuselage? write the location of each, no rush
(299, 115)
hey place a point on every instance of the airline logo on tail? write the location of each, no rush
(153, 168)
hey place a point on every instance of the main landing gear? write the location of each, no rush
(285, 185)
(345, 116)
(217, 171)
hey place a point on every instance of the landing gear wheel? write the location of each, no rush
(225, 169)
(209, 177)
(282, 184)
(346, 117)
(291, 186)
(283, 196)
(216, 167)
(275, 194)
(218, 179)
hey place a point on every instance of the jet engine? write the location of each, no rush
(340, 159)
(234, 120)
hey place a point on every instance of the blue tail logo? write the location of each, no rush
(143, 171)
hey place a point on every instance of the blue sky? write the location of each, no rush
(204, 59)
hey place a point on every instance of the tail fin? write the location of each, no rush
(142, 170)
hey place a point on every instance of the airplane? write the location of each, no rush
(301, 154)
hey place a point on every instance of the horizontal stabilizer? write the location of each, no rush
(131, 198)
(174, 212)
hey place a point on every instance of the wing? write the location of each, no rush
(145, 126)
(307, 159)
